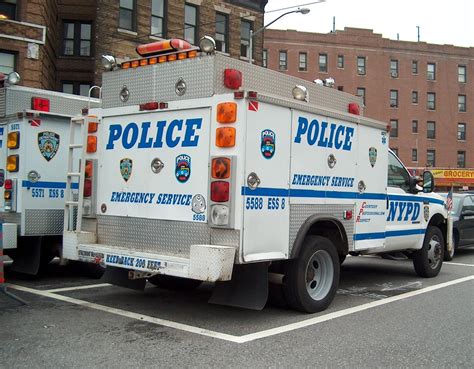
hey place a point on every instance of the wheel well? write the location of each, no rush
(439, 221)
(329, 228)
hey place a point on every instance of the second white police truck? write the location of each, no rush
(205, 168)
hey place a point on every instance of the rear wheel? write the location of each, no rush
(174, 283)
(429, 259)
(312, 279)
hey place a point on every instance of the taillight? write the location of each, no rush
(87, 187)
(13, 163)
(8, 184)
(232, 79)
(9, 195)
(91, 144)
(225, 137)
(221, 168)
(220, 191)
(227, 112)
(13, 140)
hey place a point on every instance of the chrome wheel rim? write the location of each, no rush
(319, 275)
(434, 252)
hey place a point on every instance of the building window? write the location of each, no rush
(431, 71)
(461, 159)
(431, 130)
(8, 9)
(7, 62)
(462, 74)
(414, 67)
(77, 39)
(340, 61)
(394, 98)
(393, 128)
(127, 15)
(361, 65)
(414, 155)
(462, 131)
(158, 24)
(431, 101)
(245, 28)
(430, 158)
(283, 65)
(394, 68)
(265, 58)
(361, 93)
(340, 88)
(222, 32)
(462, 103)
(414, 97)
(414, 126)
(323, 62)
(76, 88)
(303, 62)
(191, 23)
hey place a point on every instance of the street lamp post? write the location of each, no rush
(253, 34)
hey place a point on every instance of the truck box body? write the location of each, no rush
(294, 164)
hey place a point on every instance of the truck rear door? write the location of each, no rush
(153, 164)
(267, 157)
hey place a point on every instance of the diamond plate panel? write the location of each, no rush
(225, 237)
(11, 217)
(157, 236)
(157, 82)
(3, 105)
(18, 99)
(299, 213)
(44, 222)
(266, 81)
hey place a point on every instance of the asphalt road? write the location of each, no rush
(384, 315)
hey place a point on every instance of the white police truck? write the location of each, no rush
(205, 168)
(34, 139)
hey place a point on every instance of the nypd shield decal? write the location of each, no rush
(126, 166)
(267, 143)
(372, 156)
(48, 143)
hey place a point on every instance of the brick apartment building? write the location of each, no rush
(425, 91)
(57, 44)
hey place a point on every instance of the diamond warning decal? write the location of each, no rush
(253, 105)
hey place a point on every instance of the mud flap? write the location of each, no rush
(119, 277)
(28, 256)
(248, 288)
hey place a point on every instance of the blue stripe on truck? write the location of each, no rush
(43, 184)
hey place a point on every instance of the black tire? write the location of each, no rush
(429, 259)
(312, 278)
(342, 257)
(174, 283)
(90, 270)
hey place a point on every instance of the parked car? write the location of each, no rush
(463, 221)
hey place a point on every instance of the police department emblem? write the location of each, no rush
(198, 204)
(426, 212)
(183, 168)
(48, 143)
(372, 156)
(126, 166)
(267, 144)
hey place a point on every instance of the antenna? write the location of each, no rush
(418, 28)
(398, 37)
(334, 24)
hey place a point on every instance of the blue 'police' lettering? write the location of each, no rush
(403, 211)
(324, 134)
(177, 132)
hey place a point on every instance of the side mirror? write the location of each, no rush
(428, 182)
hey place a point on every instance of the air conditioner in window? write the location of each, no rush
(393, 105)
(394, 74)
(361, 70)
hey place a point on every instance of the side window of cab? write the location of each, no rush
(397, 174)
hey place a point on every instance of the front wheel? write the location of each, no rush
(312, 279)
(428, 260)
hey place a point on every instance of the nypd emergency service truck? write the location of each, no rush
(206, 168)
(34, 139)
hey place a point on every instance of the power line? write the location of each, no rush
(295, 6)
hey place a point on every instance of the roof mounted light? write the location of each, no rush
(300, 93)
(319, 82)
(207, 44)
(329, 82)
(13, 78)
(108, 62)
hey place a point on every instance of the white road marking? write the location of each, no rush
(460, 264)
(248, 337)
(64, 289)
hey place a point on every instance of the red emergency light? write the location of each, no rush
(232, 79)
(354, 108)
(39, 103)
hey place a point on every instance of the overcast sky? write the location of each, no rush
(441, 22)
